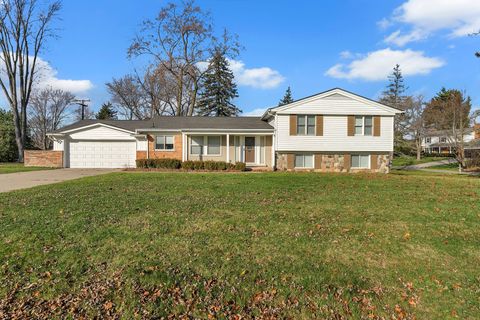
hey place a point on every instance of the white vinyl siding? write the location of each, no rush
(334, 137)
(101, 133)
(335, 104)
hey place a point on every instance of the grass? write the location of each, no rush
(11, 167)
(449, 167)
(408, 160)
(256, 245)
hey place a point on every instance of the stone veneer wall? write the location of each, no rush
(43, 158)
(335, 163)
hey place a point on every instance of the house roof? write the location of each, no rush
(441, 133)
(177, 123)
(474, 144)
(326, 93)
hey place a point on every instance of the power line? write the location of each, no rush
(83, 104)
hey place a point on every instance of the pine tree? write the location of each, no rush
(287, 98)
(219, 89)
(107, 112)
(394, 95)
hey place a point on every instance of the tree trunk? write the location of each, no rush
(18, 134)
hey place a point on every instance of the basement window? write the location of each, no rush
(360, 161)
(304, 161)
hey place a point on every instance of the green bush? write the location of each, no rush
(189, 165)
(198, 165)
(159, 163)
(240, 166)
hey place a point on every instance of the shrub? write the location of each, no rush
(188, 165)
(198, 165)
(159, 163)
(240, 166)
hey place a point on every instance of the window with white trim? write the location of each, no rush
(443, 139)
(363, 125)
(428, 140)
(196, 146)
(304, 161)
(165, 143)
(360, 161)
(305, 125)
(213, 145)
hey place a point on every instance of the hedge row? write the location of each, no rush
(189, 165)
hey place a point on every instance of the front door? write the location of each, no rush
(249, 149)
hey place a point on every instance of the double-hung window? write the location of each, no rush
(196, 147)
(428, 140)
(164, 143)
(360, 161)
(205, 145)
(443, 140)
(305, 125)
(363, 125)
(304, 161)
(213, 145)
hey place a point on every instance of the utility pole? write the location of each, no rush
(83, 104)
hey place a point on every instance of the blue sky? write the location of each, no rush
(311, 46)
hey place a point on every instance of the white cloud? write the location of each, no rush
(48, 77)
(424, 17)
(261, 78)
(377, 65)
(255, 112)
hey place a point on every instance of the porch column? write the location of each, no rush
(274, 164)
(184, 147)
(228, 148)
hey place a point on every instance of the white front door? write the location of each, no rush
(102, 154)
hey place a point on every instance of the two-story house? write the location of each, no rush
(334, 131)
(443, 141)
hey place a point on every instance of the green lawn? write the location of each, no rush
(408, 161)
(272, 245)
(11, 167)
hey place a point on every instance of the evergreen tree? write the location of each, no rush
(219, 89)
(394, 95)
(287, 98)
(107, 112)
(8, 146)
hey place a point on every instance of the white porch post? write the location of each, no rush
(273, 152)
(228, 148)
(184, 147)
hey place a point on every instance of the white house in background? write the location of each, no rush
(333, 131)
(443, 142)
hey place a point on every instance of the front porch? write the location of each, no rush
(254, 149)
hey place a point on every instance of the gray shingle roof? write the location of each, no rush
(179, 123)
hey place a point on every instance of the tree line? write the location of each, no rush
(187, 73)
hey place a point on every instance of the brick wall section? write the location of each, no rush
(43, 158)
(176, 153)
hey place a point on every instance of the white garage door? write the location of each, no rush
(102, 154)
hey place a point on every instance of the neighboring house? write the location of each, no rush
(443, 142)
(334, 131)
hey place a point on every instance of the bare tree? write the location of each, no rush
(180, 39)
(129, 97)
(24, 27)
(450, 110)
(414, 121)
(48, 110)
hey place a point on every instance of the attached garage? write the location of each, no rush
(102, 154)
(98, 145)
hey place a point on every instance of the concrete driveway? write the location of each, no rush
(24, 180)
